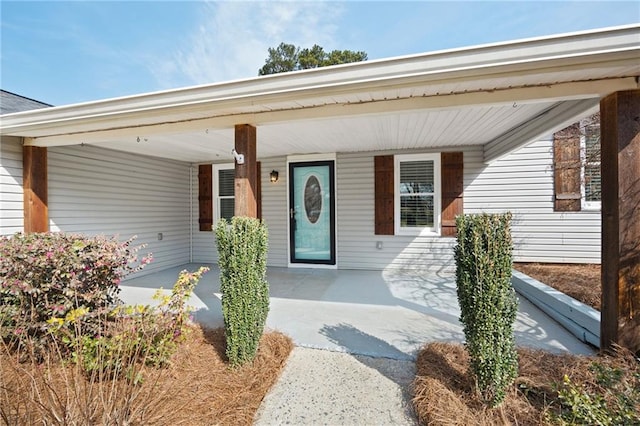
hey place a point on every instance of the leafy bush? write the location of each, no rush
(242, 250)
(612, 399)
(130, 334)
(52, 274)
(98, 379)
(487, 301)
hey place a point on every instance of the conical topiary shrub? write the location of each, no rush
(242, 259)
(487, 300)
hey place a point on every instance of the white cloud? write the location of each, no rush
(231, 39)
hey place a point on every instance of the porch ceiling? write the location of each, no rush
(500, 96)
(378, 132)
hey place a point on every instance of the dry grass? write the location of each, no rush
(197, 388)
(444, 392)
(582, 282)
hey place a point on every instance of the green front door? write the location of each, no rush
(312, 213)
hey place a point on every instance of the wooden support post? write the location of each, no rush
(34, 178)
(620, 145)
(246, 179)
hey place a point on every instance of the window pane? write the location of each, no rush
(592, 144)
(416, 177)
(225, 182)
(416, 211)
(592, 182)
(227, 208)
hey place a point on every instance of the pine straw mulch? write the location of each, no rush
(197, 388)
(444, 391)
(582, 282)
(214, 393)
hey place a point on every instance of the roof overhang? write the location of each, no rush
(500, 96)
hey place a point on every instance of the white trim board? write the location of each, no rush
(579, 319)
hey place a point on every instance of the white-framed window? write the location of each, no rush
(417, 194)
(590, 173)
(223, 191)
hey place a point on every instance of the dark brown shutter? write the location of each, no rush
(566, 169)
(205, 197)
(259, 190)
(452, 191)
(384, 220)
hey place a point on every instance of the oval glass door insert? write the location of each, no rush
(312, 199)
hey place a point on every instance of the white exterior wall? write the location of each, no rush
(99, 191)
(522, 183)
(274, 210)
(356, 243)
(11, 193)
(274, 213)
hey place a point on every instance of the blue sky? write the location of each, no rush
(64, 52)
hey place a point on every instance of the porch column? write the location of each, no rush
(246, 179)
(35, 186)
(620, 162)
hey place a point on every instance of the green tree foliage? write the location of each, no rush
(288, 57)
(487, 301)
(242, 259)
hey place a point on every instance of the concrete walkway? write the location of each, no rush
(332, 388)
(357, 334)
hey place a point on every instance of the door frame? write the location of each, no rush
(310, 158)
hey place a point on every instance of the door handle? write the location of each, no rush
(292, 213)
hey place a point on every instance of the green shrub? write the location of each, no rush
(86, 379)
(129, 334)
(613, 398)
(49, 275)
(242, 259)
(487, 301)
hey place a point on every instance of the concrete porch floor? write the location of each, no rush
(387, 314)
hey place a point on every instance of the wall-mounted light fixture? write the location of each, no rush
(274, 176)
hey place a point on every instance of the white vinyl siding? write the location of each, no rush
(11, 193)
(274, 210)
(357, 242)
(522, 183)
(274, 214)
(99, 191)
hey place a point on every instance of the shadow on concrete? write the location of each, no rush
(377, 354)
(355, 341)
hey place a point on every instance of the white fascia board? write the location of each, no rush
(621, 44)
(557, 93)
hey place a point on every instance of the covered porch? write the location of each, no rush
(388, 313)
(145, 157)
